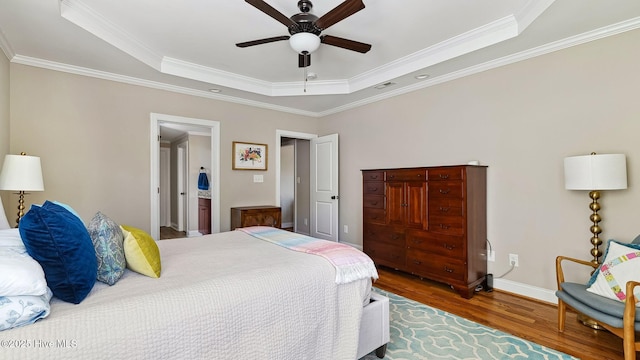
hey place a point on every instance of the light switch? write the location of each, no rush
(258, 178)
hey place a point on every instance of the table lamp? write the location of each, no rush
(21, 173)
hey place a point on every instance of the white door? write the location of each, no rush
(324, 187)
(182, 186)
(165, 186)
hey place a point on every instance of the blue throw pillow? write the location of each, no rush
(58, 240)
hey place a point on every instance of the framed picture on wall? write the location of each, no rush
(249, 156)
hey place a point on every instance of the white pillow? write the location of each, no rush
(23, 310)
(10, 238)
(621, 264)
(20, 274)
(4, 224)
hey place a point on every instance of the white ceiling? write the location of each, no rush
(188, 46)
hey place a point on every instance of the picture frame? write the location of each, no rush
(249, 156)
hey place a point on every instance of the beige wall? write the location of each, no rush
(93, 139)
(521, 120)
(4, 119)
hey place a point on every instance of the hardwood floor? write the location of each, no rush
(519, 316)
(169, 233)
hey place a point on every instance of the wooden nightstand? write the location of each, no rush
(255, 216)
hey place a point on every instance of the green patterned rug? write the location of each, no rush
(421, 332)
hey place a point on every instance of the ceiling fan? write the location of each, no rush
(306, 28)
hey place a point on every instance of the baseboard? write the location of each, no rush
(193, 233)
(287, 225)
(534, 292)
(359, 247)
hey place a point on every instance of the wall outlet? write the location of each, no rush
(346, 229)
(513, 260)
(491, 255)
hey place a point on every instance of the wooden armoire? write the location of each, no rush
(428, 221)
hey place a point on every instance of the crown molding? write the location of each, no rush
(86, 18)
(611, 30)
(614, 29)
(77, 70)
(492, 33)
(5, 46)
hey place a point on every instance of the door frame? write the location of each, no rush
(293, 135)
(183, 186)
(214, 126)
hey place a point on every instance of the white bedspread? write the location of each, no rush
(222, 296)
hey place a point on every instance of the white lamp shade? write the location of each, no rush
(21, 173)
(304, 41)
(595, 172)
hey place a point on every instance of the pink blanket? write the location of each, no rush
(351, 264)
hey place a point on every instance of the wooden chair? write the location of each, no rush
(617, 317)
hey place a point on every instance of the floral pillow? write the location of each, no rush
(23, 310)
(621, 264)
(108, 242)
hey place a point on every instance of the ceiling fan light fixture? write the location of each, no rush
(304, 42)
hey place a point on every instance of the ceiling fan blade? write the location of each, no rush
(261, 41)
(339, 13)
(345, 43)
(269, 10)
(304, 60)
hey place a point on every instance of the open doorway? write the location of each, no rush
(294, 184)
(322, 161)
(197, 134)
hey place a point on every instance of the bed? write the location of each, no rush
(223, 296)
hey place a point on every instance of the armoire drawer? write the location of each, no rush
(407, 175)
(374, 216)
(444, 174)
(450, 246)
(386, 254)
(435, 266)
(439, 206)
(451, 225)
(373, 187)
(445, 189)
(372, 175)
(373, 201)
(381, 233)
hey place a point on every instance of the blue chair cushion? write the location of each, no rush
(594, 306)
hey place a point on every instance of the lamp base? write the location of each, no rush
(589, 322)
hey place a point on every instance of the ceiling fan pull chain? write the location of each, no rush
(305, 78)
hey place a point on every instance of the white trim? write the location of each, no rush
(88, 19)
(357, 246)
(6, 46)
(534, 292)
(156, 119)
(77, 70)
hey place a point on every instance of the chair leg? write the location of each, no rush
(562, 310)
(629, 346)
